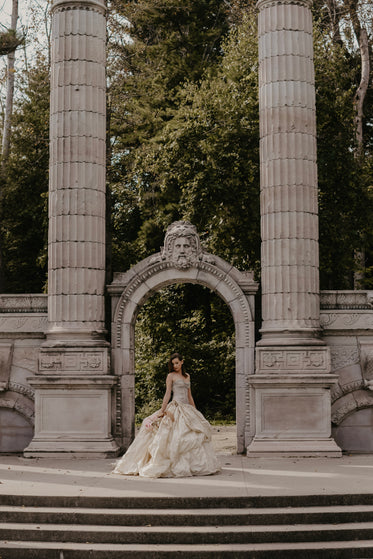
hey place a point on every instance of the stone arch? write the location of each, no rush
(19, 401)
(16, 420)
(351, 402)
(352, 418)
(130, 290)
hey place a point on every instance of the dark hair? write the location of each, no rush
(171, 367)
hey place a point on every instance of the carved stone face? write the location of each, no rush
(182, 252)
(182, 246)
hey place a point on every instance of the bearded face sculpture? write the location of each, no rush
(182, 246)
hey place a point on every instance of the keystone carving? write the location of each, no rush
(182, 246)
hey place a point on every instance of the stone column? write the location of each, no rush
(73, 388)
(292, 382)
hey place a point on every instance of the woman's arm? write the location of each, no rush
(167, 396)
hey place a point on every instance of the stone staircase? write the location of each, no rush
(58, 527)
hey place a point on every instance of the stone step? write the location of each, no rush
(187, 517)
(111, 502)
(312, 550)
(185, 534)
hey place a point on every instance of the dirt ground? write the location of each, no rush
(224, 439)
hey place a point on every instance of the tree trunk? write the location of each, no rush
(362, 90)
(7, 124)
(363, 42)
(9, 93)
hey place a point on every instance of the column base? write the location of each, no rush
(73, 417)
(291, 405)
(301, 448)
(41, 448)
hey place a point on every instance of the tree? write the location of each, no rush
(10, 40)
(202, 163)
(346, 27)
(343, 162)
(10, 90)
(25, 185)
(161, 44)
(192, 320)
(204, 166)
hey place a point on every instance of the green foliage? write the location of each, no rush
(345, 209)
(195, 322)
(10, 40)
(24, 188)
(203, 163)
(166, 43)
(206, 162)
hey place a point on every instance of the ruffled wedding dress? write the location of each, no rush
(176, 445)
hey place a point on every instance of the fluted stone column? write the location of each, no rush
(76, 273)
(291, 388)
(289, 215)
(73, 388)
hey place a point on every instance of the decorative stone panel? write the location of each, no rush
(293, 360)
(347, 299)
(70, 360)
(346, 320)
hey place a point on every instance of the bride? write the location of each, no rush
(176, 440)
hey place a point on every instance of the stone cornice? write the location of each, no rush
(23, 303)
(346, 299)
(261, 4)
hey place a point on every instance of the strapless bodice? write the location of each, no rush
(180, 390)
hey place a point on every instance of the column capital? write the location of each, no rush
(97, 5)
(261, 4)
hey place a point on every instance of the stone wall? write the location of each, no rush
(347, 322)
(346, 319)
(23, 321)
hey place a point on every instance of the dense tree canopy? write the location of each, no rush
(24, 186)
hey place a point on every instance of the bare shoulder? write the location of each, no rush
(187, 375)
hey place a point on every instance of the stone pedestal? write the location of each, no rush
(291, 386)
(291, 402)
(73, 415)
(73, 387)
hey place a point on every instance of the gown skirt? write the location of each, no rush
(176, 445)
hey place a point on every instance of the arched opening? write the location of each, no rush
(196, 322)
(16, 422)
(354, 433)
(130, 290)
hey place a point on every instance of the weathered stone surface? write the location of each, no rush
(15, 429)
(6, 355)
(73, 376)
(355, 432)
(289, 222)
(293, 360)
(346, 320)
(295, 411)
(347, 299)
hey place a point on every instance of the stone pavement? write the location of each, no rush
(239, 476)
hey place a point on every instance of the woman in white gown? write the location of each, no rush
(176, 440)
